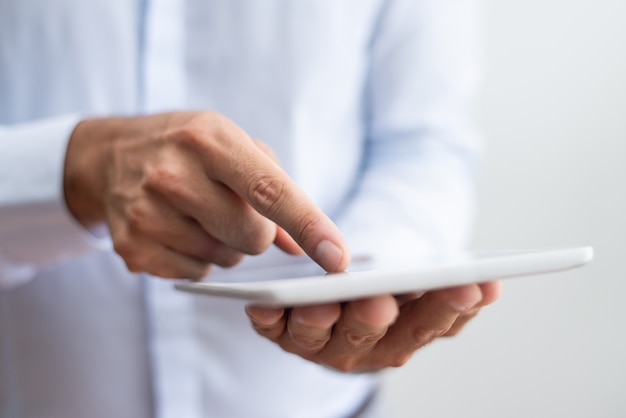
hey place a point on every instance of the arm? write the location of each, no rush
(178, 192)
(181, 191)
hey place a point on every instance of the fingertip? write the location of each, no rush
(263, 315)
(332, 257)
(318, 316)
(490, 292)
(377, 311)
(463, 298)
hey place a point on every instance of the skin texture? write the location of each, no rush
(182, 191)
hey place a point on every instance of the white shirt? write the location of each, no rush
(366, 103)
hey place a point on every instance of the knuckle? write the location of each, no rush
(205, 130)
(266, 193)
(164, 177)
(310, 344)
(306, 225)
(193, 133)
(421, 336)
(362, 341)
(136, 217)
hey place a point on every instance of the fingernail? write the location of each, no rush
(328, 255)
(264, 316)
(460, 307)
(463, 306)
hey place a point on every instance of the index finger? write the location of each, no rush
(263, 184)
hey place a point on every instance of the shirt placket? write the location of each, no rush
(173, 346)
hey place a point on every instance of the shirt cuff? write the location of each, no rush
(36, 229)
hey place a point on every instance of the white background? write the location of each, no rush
(553, 115)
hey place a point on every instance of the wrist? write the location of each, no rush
(84, 176)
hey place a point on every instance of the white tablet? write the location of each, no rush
(306, 283)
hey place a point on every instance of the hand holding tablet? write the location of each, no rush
(372, 329)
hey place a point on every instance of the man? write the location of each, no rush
(365, 105)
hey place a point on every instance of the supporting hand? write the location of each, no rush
(373, 333)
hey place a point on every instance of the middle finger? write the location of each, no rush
(363, 323)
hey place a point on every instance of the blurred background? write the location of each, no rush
(553, 116)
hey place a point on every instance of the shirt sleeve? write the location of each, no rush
(415, 193)
(36, 228)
